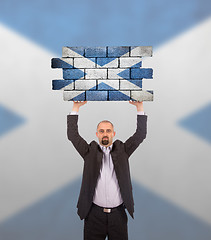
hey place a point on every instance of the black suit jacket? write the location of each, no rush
(92, 155)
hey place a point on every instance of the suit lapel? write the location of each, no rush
(99, 157)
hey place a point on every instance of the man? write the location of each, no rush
(106, 188)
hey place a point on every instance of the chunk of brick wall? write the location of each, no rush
(103, 73)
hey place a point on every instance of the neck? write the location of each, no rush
(106, 145)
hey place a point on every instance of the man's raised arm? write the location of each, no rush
(133, 142)
(72, 129)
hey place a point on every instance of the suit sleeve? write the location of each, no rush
(73, 135)
(134, 141)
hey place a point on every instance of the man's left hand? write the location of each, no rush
(138, 104)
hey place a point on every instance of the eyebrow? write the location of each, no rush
(104, 129)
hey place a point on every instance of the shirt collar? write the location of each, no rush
(110, 147)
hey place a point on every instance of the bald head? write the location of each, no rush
(105, 121)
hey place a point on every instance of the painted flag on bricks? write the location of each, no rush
(103, 73)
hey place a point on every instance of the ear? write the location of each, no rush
(97, 134)
(114, 133)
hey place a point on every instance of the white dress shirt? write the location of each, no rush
(107, 192)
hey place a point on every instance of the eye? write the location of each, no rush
(101, 131)
(108, 130)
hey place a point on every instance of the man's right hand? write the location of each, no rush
(77, 105)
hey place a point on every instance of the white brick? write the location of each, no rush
(126, 93)
(95, 73)
(145, 51)
(112, 73)
(129, 61)
(68, 60)
(141, 96)
(84, 63)
(69, 87)
(127, 85)
(69, 52)
(67, 95)
(85, 84)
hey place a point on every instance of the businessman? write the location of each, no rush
(106, 189)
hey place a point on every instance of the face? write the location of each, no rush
(105, 133)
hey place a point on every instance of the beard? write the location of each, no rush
(105, 141)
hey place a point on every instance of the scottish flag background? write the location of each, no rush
(40, 171)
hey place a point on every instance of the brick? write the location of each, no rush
(74, 95)
(142, 95)
(119, 95)
(73, 74)
(85, 85)
(118, 73)
(72, 51)
(130, 84)
(63, 84)
(96, 95)
(108, 84)
(118, 51)
(84, 62)
(130, 62)
(96, 73)
(107, 62)
(141, 73)
(141, 51)
(95, 52)
(62, 62)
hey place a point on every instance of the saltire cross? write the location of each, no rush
(103, 73)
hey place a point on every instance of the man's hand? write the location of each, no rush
(77, 105)
(139, 105)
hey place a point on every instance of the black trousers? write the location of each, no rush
(99, 224)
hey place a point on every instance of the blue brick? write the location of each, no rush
(96, 95)
(103, 61)
(136, 82)
(59, 63)
(95, 52)
(79, 50)
(59, 84)
(117, 96)
(104, 86)
(118, 51)
(73, 74)
(80, 97)
(141, 73)
(125, 74)
(138, 65)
